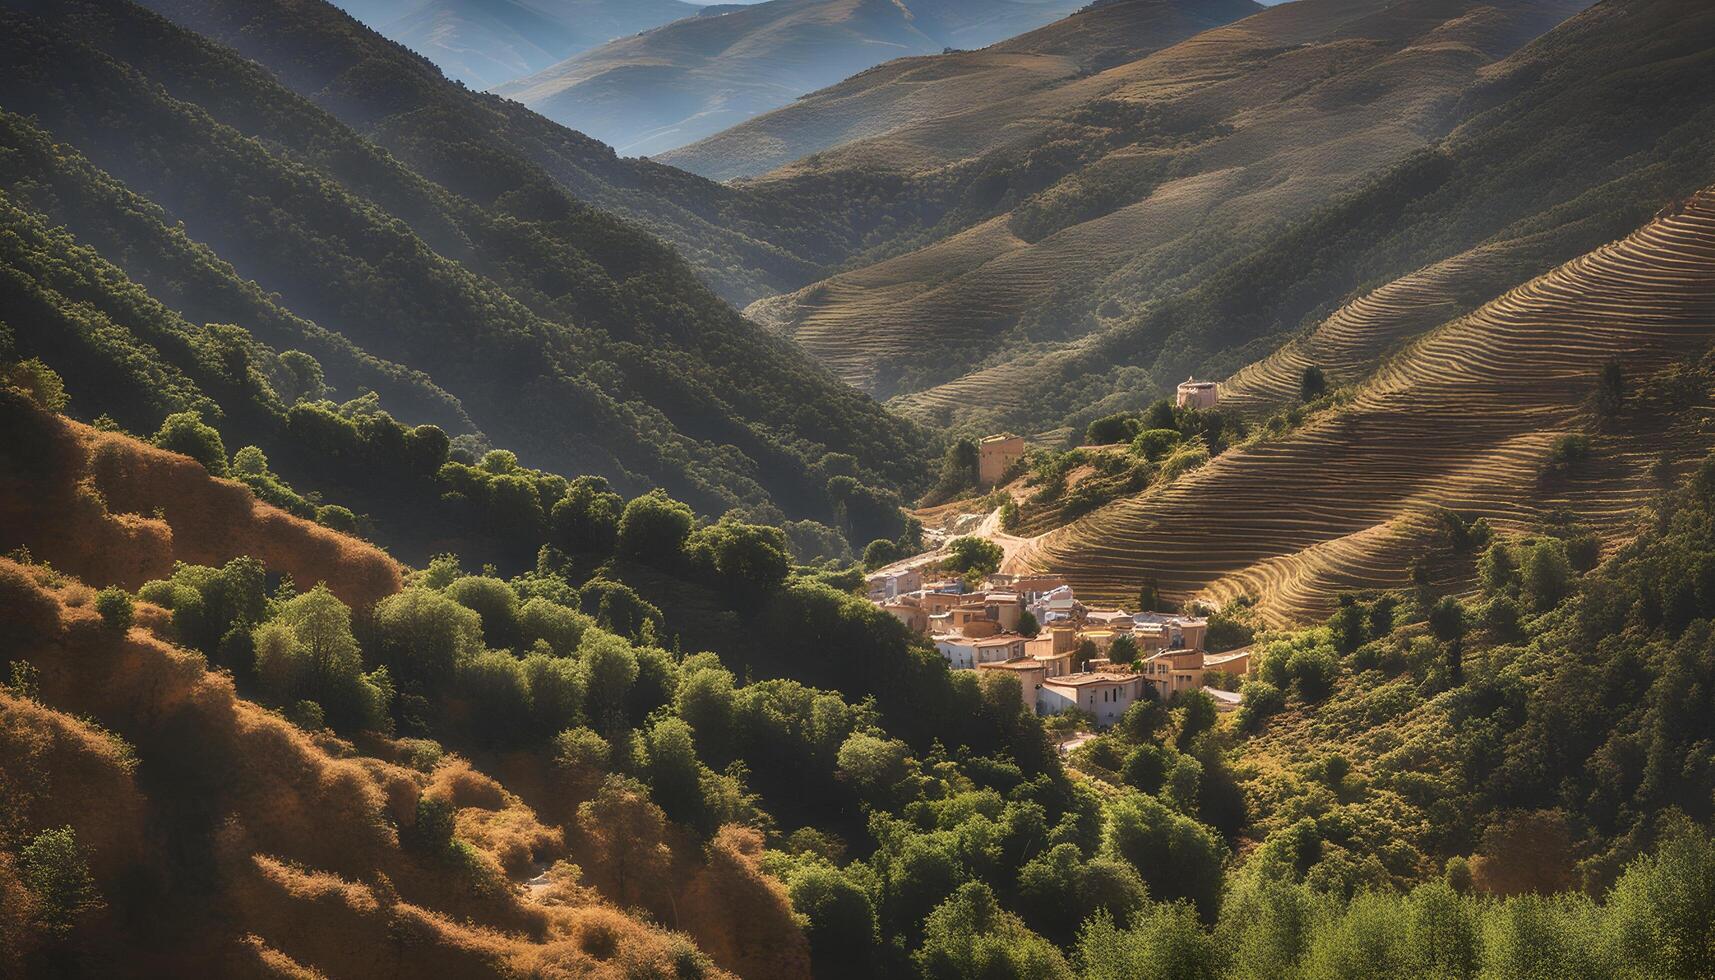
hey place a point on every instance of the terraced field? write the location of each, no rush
(1462, 418)
(1209, 145)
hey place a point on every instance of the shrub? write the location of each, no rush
(1565, 455)
(40, 382)
(185, 432)
(336, 517)
(114, 605)
(1153, 444)
(1261, 699)
(1312, 384)
(1109, 429)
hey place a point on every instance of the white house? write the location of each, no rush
(1104, 694)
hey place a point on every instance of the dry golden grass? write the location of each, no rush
(111, 509)
(1463, 418)
(301, 868)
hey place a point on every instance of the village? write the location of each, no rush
(1065, 654)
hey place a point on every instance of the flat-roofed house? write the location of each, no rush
(1197, 394)
(1237, 662)
(884, 587)
(1172, 671)
(908, 610)
(966, 652)
(1105, 694)
(1169, 631)
(995, 455)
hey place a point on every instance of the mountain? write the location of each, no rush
(486, 42)
(524, 319)
(690, 79)
(1468, 417)
(743, 245)
(900, 93)
(1201, 202)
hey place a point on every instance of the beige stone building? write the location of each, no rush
(1198, 394)
(995, 455)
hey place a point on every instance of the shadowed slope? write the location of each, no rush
(1463, 419)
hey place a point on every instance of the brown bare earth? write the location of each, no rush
(1463, 418)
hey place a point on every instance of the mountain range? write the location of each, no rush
(484, 43)
(681, 82)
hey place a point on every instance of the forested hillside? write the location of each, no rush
(523, 318)
(743, 245)
(445, 771)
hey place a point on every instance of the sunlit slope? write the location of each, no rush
(1191, 156)
(1462, 419)
(902, 94)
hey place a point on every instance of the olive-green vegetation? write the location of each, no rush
(1123, 453)
(524, 316)
(1565, 703)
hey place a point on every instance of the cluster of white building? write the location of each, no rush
(978, 630)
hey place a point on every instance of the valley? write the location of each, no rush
(922, 489)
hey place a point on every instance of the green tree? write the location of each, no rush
(874, 766)
(610, 668)
(308, 652)
(1027, 624)
(494, 602)
(1123, 650)
(1546, 575)
(301, 378)
(54, 869)
(1109, 429)
(185, 432)
(1497, 570)
(972, 556)
(1610, 389)
(841, 921)
(1178, 857)
(654, 527)
(880, 552)
(586, 519)
(424, 635)
(747, 561)
(970, 935)
(707, 703)
(1447, 619)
